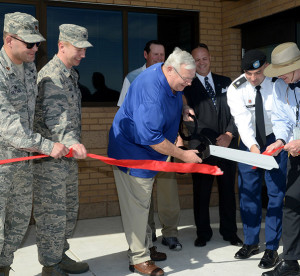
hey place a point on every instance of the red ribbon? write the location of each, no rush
(139, 164)
(269, 153)
(6, 161)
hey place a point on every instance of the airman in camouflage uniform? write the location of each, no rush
(18, 92)
(58, 117)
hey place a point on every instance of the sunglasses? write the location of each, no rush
(28, 45)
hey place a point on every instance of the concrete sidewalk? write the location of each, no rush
(101, 242)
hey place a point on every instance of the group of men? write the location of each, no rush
(255, 107)
(40, 113)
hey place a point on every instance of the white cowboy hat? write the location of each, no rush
(285, 58)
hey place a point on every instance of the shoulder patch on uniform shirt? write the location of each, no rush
(239, 82)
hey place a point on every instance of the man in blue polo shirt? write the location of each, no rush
(145, 128)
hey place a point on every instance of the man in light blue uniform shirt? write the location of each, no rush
(145, 127)
(285, 118)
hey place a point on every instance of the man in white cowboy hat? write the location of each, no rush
(285, 118)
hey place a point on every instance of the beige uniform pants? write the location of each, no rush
(134, 198)
(168, 207)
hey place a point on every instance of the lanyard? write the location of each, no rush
(297, 109)
(297, 104)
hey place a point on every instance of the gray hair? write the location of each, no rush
(179, 57)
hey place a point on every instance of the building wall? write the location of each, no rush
(97, 191)
(235, 13)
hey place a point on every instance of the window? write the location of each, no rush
(118, 34)
(104, 60)
(266, 33)
(142, 27)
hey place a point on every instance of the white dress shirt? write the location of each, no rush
(210, 80)
(241, 101)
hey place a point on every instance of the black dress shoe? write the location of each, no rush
(154, 238)
(200, 242)
(157, 256)
(247, 251)
(172, 242)
(284, 268)
(269, 259)
(234, 240)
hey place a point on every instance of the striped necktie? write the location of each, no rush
(210, 91)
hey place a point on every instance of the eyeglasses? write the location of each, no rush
(186, 80)
(28, 45)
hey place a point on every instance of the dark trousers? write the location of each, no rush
(202, 186)
(250, 185)
(291, 212)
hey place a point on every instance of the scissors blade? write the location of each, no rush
(258, 160)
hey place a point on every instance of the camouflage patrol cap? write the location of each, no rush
(23, 25)
(74, 34)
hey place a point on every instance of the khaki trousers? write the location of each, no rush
(134, 198)
(168, 207)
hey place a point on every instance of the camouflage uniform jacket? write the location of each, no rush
(17, 106)
(58, 108)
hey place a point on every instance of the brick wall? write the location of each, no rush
(97, 191)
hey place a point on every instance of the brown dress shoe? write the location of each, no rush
(157, 256)
(147, 268)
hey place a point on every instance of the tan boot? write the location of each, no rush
(53, 270)
(4, 270)
(70, 266)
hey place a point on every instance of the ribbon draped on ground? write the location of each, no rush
(139, 164)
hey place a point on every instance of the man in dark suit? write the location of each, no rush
(206, 98)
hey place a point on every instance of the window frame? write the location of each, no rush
(41, 15)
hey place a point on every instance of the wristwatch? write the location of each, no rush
(282, 141)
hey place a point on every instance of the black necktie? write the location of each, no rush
(259, 119)
(294, 85)
(210, 91)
